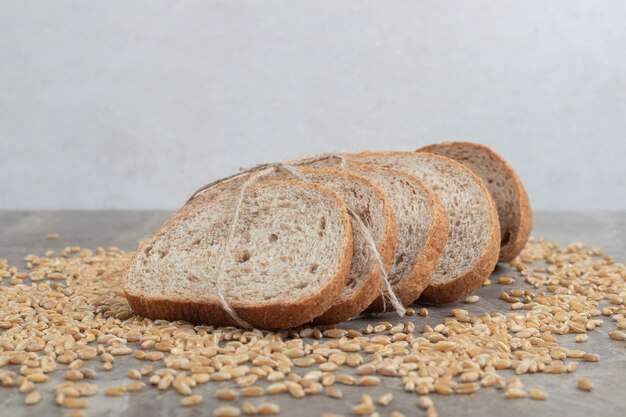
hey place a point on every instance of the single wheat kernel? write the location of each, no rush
(135, 386)
(514, 393)
(396, 414)
(581, 338)
(423, 312)
(617, 335)
(277, 388)
(114, 391)
(26, 387)
(350, 347)
(368, 381)
(367, 369)
(121, 351)
(181, 387)
(506, 280)
(304, 362)
(470, 376)
(335, 333)
(294, 353)
(537, 394)
(431, 412)
(72, 402)
(295, 390)
(385, 399)
(52, 236)
(575, 353)
(32, 398)
(443, 388)
(226, 411)
(424, 402)
(346, 379)
(226, 394)
(328, 366)
(254, 391)
(154, 356)
(466, 388)
(220, 376)
(363, 408)
(248, 408)
(134, 374)
(37, 378)
(247, 380)
(333, 392)
(354, 360)
(472, 299)
(191, 400)
(165, 382)
(584, 384)
(267, 409)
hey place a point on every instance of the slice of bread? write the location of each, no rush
(505, 187)
(287, 263)
(370, 204)
(422, 229)
(471, 251)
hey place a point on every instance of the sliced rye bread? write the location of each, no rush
(287, 263)
(471, 251)
(422, 229)
(367, 201)
(505, 187)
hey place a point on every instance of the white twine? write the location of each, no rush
(260, 171)
(231, 234)
(379, 264)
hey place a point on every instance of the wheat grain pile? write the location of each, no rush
(65, 313)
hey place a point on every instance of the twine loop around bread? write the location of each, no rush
(257, 173)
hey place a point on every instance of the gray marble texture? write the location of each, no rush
(23, 232)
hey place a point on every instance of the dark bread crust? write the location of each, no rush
(473, 279)
(520, 232)
(369, 290)
(412, 287)
(282, 315)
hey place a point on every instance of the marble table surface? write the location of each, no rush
(23, 232)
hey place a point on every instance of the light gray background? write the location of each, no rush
(134, 104)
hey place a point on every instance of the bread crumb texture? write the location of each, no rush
(65, 323)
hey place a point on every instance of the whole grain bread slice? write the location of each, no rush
(505, 187)
(422, 229)
(287, 263)
(370, 204)
(471, 251)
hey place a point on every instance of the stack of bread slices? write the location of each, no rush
(331, 238)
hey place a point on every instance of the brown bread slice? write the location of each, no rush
(366, 200)
(471, 251)
(505, 187)
(287, 263)
(422, 229)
